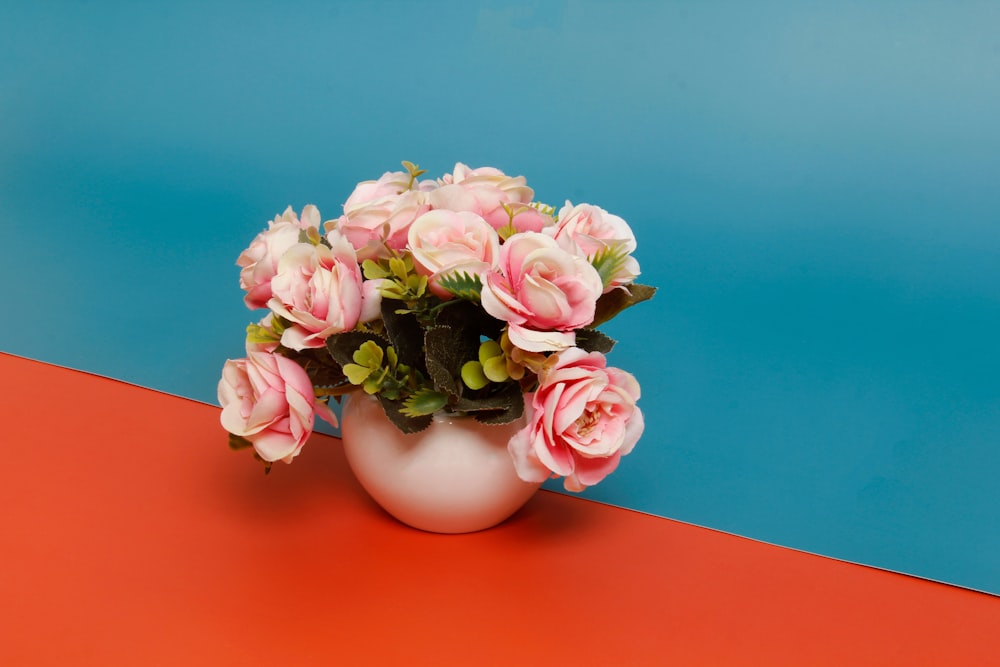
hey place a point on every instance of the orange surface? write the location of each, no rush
(133, 536)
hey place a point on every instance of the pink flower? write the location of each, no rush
(582, 419)
(390, 183)
(588, 230)
(381, 223)
(319, 290)
(543, 292)
(260, 261)
(444, 242)
(268, 399)
(485, 192)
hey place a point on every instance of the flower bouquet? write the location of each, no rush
(458, 295)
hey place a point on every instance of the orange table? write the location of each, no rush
(133, 536)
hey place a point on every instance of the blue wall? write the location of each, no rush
(814, 187)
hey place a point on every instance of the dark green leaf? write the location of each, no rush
(446, 352)
(394, 411)
(620, 298)
(500, 407)
(592, 340)
(237, 442)
(405, 334)
(424, 402)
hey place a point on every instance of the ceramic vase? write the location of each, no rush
(454, 477)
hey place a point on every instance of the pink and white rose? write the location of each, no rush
(486, 191)
(543, 292)
(320, 291)
(268, 399)
(259, 262)
(389, 184)
(381, 223)
(581, 420)
(443, 242)
(588, 230)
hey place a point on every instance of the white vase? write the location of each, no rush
(454, 477)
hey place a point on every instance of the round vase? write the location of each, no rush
(453, 477)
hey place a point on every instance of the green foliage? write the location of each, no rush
(367, 369)
(424, 402)
(504, 405)
(316, 362)
(443, 358)
(462, 285)
(396, 411)
(593, 340)
(609, 261)
(620, 298)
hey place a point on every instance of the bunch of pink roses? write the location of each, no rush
(461, 295)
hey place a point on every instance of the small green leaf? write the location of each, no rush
(394, 411)
(356, 374)
(373, 271)
(473, 376)
(609, 261)
(369, 354)
(260, 335)
(424, 402)
(398, 268)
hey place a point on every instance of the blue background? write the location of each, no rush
(814, 187)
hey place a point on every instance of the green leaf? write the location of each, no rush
(462, 285)
(592, 340)
(442, 363)
(373, 270)
(260, 335)
(399, 269)
(609, 261)
(369, 354)
(394, 411)
(405, 335)
(343, 345)
(620, 298)
(356, 374)
(473, 376)
(502, 407)
(424, 402)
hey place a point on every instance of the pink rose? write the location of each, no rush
(581, 420)
(389, 184)
(381, 223)
(485, 191)
(259, 262)
(543, 292)
(319, 290)
(268, 399)
(444, 242)
(588, 230)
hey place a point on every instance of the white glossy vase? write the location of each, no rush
(454, 477)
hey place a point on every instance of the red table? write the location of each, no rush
(133, 536)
